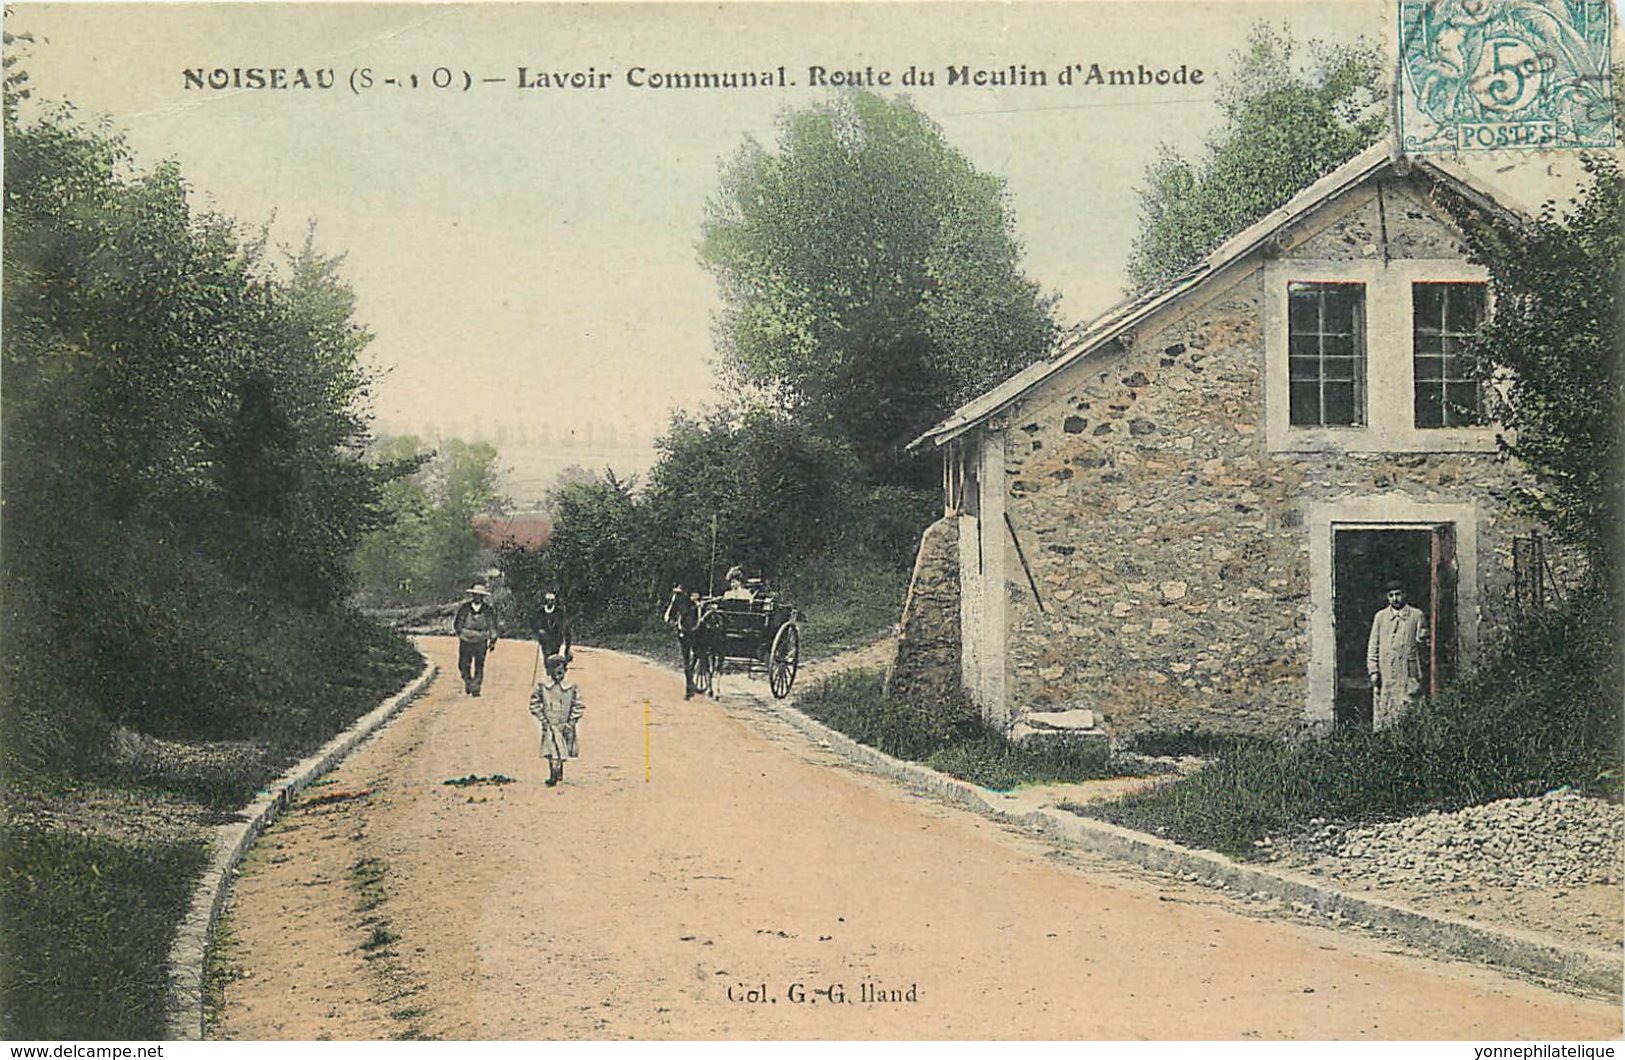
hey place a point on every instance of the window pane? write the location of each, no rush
(1427, 306)
(1429, 405)
(1462, 401)
(1304, 345)
(1304, 367)
(1305, 308)
(1341, 303)
(1340, 368)
(1429, 368)
(1339, 345)
(1465, 308)
(1306, 404)
(1340, 405)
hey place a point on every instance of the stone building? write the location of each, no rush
(1183, 519)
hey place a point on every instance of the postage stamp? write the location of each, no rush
(1479, 75)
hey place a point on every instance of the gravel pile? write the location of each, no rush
(1558, 840)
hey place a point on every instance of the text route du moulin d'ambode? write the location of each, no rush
(593, 78)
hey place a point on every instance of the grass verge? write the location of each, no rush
(88, 927)
(88, 922)
(952, 742)
(1543, 714)
(846, 598)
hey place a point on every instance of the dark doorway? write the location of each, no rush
(1364, 558)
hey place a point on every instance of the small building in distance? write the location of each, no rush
(529, 530)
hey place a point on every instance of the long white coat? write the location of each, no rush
(1394, 654)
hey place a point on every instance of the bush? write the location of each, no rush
(189, 422)
(846, 598)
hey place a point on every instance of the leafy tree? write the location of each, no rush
(870, 274)
(1282, 130)
(774, 490)
(1552, 347)
(183, 437)
(573, 473)
(430, 549)
(597, 557)
(462, 484)
(757, 487)
(390, 563)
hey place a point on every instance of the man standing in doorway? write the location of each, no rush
(476, 629)
(1393, 657)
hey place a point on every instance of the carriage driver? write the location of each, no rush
(683, 616)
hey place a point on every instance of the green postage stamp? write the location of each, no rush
(1479, 75)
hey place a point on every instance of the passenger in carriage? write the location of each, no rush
(737, 589)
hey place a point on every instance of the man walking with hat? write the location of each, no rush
(1393, 657)
(476, 629)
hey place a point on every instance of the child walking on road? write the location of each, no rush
(557, 708)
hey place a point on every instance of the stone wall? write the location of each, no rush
(926, 673)
(1170, 547)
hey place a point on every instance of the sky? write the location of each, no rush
(526, 257)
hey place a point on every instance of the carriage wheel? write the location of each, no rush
(783, 660)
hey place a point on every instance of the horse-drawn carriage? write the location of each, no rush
(756, 635)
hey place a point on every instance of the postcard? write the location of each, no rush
(812, 521)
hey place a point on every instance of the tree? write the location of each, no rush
(1282, 130)
(597, 557)
(183, 434)
(1552, 347)
(771, 490)
(870, 274)
(462, 484)
(430, 549)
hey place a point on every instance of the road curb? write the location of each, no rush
(1595, 971)
(184, 1019)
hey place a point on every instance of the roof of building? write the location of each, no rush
(1086, 339)
(525, 530)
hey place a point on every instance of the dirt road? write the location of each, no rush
(752, 887)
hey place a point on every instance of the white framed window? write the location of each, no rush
(1326, 354)
(1366, 356)
(1444, 315)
